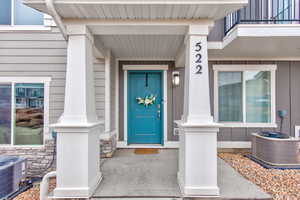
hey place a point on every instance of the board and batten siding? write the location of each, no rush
(44, 54)
(287, 98)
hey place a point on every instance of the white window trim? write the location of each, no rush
(46, 81)
(242, 68)
(13, 27)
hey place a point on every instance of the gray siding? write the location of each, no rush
(113, 94)
(217, 32)
(99, 70)
(44, 54)
(287, 98)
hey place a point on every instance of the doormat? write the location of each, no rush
(146, 151)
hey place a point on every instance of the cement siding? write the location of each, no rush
(44, 54)
(113, 94)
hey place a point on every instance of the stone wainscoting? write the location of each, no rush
(39, 158)
(108, 146)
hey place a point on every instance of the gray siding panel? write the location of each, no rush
(217, 32)
(287, 98)
(44, 54)
(295, 95)
(283, 93)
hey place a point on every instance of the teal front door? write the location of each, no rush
(145, 116)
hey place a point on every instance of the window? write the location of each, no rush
(245, 95)
(14, 12)
(24, 110)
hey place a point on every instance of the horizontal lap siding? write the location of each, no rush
(44, 54)
(113, 94)
(287, 98)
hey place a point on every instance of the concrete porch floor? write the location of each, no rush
(128, 176)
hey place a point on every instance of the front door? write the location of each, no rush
(145, 116)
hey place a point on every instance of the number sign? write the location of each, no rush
(198, 58)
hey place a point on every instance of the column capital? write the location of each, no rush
(79, 30)
(200, 29)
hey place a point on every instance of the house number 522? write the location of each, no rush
(198, 59)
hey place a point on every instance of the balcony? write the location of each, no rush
(265, 12)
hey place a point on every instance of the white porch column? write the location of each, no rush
(78, 151)
(197, 174)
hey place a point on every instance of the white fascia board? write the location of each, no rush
(136, 22)
(215, 45)
(268, 30)
(257, 30)
(144, 2)
(138, 27)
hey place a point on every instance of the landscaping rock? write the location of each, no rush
(281, 184)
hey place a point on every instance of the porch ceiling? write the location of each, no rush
(163, 47)
(141, 9)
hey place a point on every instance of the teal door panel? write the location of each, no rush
(145, 122)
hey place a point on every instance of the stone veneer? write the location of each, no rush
(39, 158)
(108, 146)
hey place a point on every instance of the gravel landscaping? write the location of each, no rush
(34, 192)
(281, 184)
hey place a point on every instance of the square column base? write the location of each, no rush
(197, 176)
(188, 191)
(78, 160)
(78, 192)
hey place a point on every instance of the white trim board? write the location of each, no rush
(145, 67)
(175, 145)
(165, 96)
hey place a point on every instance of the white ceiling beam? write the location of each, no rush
(138, 30)
(137, 22)
(139, 27)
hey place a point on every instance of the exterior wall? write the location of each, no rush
(109, 141)
(113, 94)
(171, 93)
(217, 32)
(27, 53)
(287, 98)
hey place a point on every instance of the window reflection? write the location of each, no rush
(29, 121)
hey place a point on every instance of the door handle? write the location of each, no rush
(158, 114)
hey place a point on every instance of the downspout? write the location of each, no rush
(57, 18)
(44, 186)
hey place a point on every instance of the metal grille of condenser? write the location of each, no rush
(12, 170)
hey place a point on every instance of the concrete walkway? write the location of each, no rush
(128, 176)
